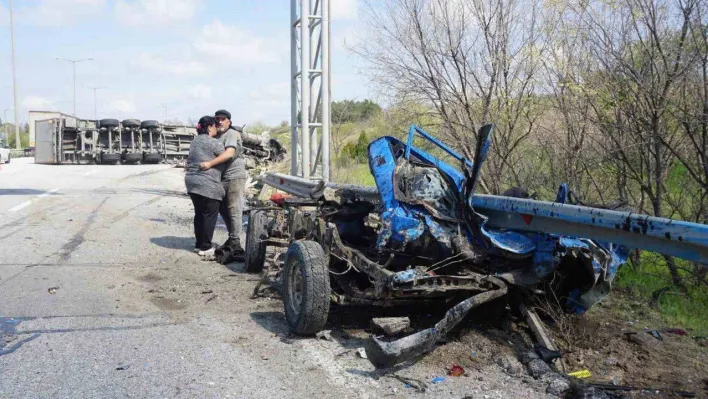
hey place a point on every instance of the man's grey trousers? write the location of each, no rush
(231, 209)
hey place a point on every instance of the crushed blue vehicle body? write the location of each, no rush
(425, 235)
(430, 209)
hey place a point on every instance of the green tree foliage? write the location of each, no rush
(358, 150)
(24, 135)
(353, 111)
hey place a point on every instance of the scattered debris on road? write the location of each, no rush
(456, 371)
(362, 353)
(416, 384)
(391, 325)
(438, 380)
(324, 334)
(53, 290)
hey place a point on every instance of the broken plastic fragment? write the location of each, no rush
(456, 371)
(580, 374)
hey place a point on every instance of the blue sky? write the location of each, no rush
(193, 56)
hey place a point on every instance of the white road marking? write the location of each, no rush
(90, 172)
(22, 205)
(29, 202)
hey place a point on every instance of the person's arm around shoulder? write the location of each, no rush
(225, 156)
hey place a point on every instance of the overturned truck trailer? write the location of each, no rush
(423, 235)
(65, 140)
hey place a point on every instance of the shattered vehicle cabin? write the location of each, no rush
(423, 235)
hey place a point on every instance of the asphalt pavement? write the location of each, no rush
(101, 296)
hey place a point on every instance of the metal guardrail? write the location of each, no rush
(685, 240)
(670, 237)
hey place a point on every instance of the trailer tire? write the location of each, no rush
(132, 158)
(152, 158)
(256, 249)
(149, 124)
(110, 159)
(108, 123)
(306, 287)
(131, 123)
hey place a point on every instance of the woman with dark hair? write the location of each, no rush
(204, 186)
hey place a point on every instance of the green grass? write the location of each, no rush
(686, 310)
(352, 173)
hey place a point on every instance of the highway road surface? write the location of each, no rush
(101, 296)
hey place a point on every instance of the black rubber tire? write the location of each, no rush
(131, 123)
(109, 123)
(152, 158)
(306, 259)
(256, 249)
(132, 157)
(110, 159)
(149, 124)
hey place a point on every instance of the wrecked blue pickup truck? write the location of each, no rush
(423, 235)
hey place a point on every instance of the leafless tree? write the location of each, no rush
(473, 61)
(641, 46)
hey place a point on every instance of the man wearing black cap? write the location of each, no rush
(234, 179)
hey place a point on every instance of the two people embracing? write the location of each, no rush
(216, 182)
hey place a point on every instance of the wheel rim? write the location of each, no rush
(295, 287)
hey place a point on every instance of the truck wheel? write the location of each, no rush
(152, 158)
(255, 248)
(110, 159)
(131, 123)
(306, 286)
(109, 123)
(132, 158)
(149, 124)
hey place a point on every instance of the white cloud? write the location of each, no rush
(160, 65)
(231, 44)
(155, 12)
(57, 12)
(271, 96)
(344, 9)
(37, 103)
(121, 106)
(199, 92)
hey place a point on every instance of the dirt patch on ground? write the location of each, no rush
(168, 303)
(150, 278)
(618, 349)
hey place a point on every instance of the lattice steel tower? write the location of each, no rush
(310, 88)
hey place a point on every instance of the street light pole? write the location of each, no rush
(95, 107)
(14, 78)
(74, 62)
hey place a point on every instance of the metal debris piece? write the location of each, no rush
(391, 325)
(53, 290)
(386, 354)
(362, 353)
(418, 385)
(324, 334)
